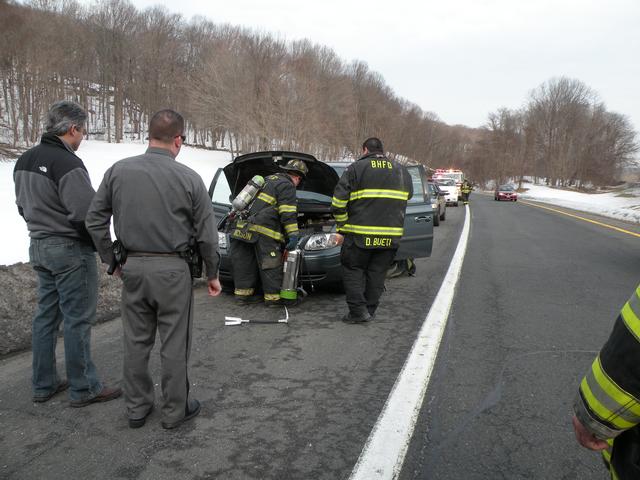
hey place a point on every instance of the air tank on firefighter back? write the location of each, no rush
(248, 193)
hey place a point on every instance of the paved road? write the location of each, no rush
(279, 402)
(538, 296)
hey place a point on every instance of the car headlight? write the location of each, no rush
(322, 241)
(222, 240)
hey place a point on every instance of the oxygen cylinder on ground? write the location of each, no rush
(248, 193)
(289, 290)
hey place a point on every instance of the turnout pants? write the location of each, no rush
(364, 271)
(254, 262)
(156, 296)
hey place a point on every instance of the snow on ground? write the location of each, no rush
(619, 204)
(97, 157)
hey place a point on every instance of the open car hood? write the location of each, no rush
(321, 178)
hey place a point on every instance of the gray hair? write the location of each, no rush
(63, 115)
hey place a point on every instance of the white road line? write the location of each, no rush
(384, 451)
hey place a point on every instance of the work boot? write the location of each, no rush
(192, 410)
(349, 318)
(62, 386)
(139, 422)
(247, 299)
(106, 395)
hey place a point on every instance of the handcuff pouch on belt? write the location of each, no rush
(119, 256)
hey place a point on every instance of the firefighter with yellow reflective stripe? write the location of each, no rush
(369, 204)
(607, 407)
(258, 238)
(466, 190)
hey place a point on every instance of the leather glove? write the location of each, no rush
(292, 243)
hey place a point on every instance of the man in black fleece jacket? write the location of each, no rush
(53, 193)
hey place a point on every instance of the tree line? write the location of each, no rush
(563, 135)
(238, 89)
(246, 91)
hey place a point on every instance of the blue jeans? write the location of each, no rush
(68, 293)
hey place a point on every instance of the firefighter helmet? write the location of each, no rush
(297, 167)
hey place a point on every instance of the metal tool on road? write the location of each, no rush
(231, 321)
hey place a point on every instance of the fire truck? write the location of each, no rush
(450, 173)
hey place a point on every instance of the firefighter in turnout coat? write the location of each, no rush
(466, 189)
(369, 204)
(257, 241)
(607, 407)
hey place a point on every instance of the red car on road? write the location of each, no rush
(505, 192)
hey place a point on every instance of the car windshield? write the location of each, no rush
(312, 197)
(446, 182)
(506, 188)
(339, 169)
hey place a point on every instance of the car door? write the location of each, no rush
(220, 194)
(417, 240)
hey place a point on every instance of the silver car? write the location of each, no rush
(438, 203)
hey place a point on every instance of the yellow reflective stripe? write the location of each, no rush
(267, 232)
(245, 292)
(267, 198)
(614, 475)
(379, 193)
(630, 317)
(607, 456)
(619, 396)
(336, 202)
(341, 218)
(627, 411)
(287, 209)
(626, 401)
(271, 296)
(292, 227)
(372, 230)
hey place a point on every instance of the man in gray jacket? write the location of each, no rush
(53, 193)
(159, 208)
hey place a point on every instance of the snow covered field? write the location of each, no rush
(98, 156)
(621, 205)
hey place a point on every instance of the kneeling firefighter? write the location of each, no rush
(257, 238)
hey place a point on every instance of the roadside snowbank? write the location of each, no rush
(619, 204)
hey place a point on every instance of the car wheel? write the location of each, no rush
(455, 204)
(436, 219)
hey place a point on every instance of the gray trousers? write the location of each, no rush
(156, 295)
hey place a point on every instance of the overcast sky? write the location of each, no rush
(460, 59)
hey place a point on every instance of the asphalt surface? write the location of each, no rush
(538, 296)
(294, 401)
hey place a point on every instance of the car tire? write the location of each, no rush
(436, 219)
(455, 204)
